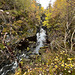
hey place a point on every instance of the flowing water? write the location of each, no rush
(41, 39)
(10, 68)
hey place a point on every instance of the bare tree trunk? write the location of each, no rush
(65, 39)
(71, 40)
(66, 27)
(66, 35)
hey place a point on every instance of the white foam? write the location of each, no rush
(41, 37)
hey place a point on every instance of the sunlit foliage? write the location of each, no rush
(50, 63)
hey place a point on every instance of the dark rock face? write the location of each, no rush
(43, 17)
(23, 44)
(38, 29)
(44, 27)
(32, 38)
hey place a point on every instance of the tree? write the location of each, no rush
(60, 18)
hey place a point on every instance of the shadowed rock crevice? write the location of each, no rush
(23, 44)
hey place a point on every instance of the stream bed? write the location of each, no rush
(10, 68)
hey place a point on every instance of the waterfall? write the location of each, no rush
(5, 70)
(8, 68)
(41, 39)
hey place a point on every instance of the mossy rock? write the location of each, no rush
(28, 48)
(45, 46)
(19, 51)
(26, 60)
(41, 51)
(30, 41)
(41, 47)
(29, 52)
(34, 56)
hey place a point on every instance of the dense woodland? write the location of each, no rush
(19, 21)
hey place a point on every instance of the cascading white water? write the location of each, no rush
(41, 38)
(8, 68)
(11, 67)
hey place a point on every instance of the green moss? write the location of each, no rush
(28, 48)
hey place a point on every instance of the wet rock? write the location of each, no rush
(7, 13)
(26, 60)
(1, 10)
(27, 57)
(24, 43)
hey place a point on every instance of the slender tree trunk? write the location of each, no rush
(65, 37)
(71, 40)
(66, 27)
